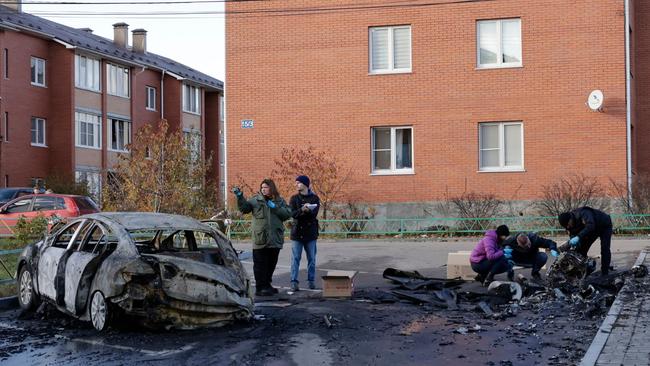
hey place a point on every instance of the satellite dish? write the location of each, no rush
(595, 101)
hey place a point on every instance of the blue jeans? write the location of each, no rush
(296, 254)
(536, 260)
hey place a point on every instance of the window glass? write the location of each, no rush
(88, 130)
(512, 137)
(63, 238)
(402, 48)
(120, 134)
(94, 238)
(511, 34)
(151, 98)
(20, 206)
(379, 49)
(118, 80)
(501, 146)
(87, 73)
(392, 149)
(499, 42)
(488, 42)
(85, 203)
(403, 149)
(48, 203)
(390, 49)
(38, 131)
(38, 71)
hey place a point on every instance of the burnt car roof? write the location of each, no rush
(149, 220)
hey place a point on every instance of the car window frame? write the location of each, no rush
(31, 205)
(95, 224)
(66, 227)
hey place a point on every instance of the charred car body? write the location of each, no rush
(167, 270)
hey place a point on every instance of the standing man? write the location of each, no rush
(269, 211)
(585, 225)
(526, 251)
(304, 232)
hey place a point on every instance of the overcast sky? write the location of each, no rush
(197, 41)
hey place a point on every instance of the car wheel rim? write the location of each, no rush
(25, 288)
(98, 311)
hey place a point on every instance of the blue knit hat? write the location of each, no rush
(303, 179)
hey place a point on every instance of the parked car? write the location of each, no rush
(166, 270)
(30, 206)
(8, 194)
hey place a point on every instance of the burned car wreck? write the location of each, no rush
(165, 270)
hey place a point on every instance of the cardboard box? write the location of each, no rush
(458, 266)
(338, 283)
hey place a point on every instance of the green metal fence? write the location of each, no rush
(8, 263)
(623, 224)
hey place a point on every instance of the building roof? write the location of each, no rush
(85, 40)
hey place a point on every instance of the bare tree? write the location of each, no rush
(570, 193)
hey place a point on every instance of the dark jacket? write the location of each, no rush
(305, 224)
(536, 242)
(268, 229)
(589, 223)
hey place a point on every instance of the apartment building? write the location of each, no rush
(71, 101)
(425, 100)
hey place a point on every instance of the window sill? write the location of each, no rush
(520, 170)
(119, 151)
(499, 67)
(151, 110)
(38, 145)
(119, 96)
(190, 112)
(39, 85)
(405, 172)
(88, 147)
(390, 72)
(88, 89)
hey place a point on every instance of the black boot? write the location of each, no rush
(488, 279)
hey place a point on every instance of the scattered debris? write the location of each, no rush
(413, 280)
(269, 304)
(485, 308)
(328, 321)
(640, 271)
(506, 289)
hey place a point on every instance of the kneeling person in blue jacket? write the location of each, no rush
(525, 251)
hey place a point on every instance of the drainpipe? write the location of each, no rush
(628, 101)
(225, 151)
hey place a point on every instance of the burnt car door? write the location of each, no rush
(82, 265)
(50, 257)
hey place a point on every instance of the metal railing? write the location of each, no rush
(623, 224)
(8, 262)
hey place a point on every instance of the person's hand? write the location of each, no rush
(305, 208)
(236, 191)
(554, 253)
(511, 263)
(507, 252)
(574, 241)
(270, 204)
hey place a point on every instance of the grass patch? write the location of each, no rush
(8, 290)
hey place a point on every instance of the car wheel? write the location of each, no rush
(99, 311)
(27, 297)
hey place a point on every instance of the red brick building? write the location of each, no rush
(71, 100)
(429, 99)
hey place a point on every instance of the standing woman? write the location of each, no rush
(269, 211)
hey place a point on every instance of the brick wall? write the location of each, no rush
(304, 80)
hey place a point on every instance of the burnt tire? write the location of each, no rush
(27, 297)
(100, 311)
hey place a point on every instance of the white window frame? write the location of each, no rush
(502, 151)
(37, 64)
(151, 99)
(125, 90)
(393, 152)
(97, 137)
(499, 63)
(95, 181)
(96, 72)
(43, 124)
(126, 134)
(391, 44)
(197, 94)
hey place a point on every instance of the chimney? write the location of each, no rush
(139, 40)
(121, 34)
(15, 5)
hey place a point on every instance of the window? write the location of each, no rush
(392, 150)
(6, 127)
(86, 73)
(499, 43)
(38, 131)
(118, 80)
(501, 146)
(48, 203)
(193, 144)
(390, 49)
(92, 180)
(5, 61)
(94, 241)
(120, 132)
(37, 182)
(19, 206)
(151, 98)
(89, 129)
(38, 71)
(191, 99)
(64, 238)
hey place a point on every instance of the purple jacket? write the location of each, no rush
(487, 248)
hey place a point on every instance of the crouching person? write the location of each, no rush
(487, 258)
(525, 251)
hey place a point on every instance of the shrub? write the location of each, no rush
(27, 231)
(570, 193)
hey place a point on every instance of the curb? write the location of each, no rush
(598, 343)
(7, 303)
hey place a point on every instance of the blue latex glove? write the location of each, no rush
(237, 191)
(554, 253)
(270, 204)
(574, 241)
(507, 252)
